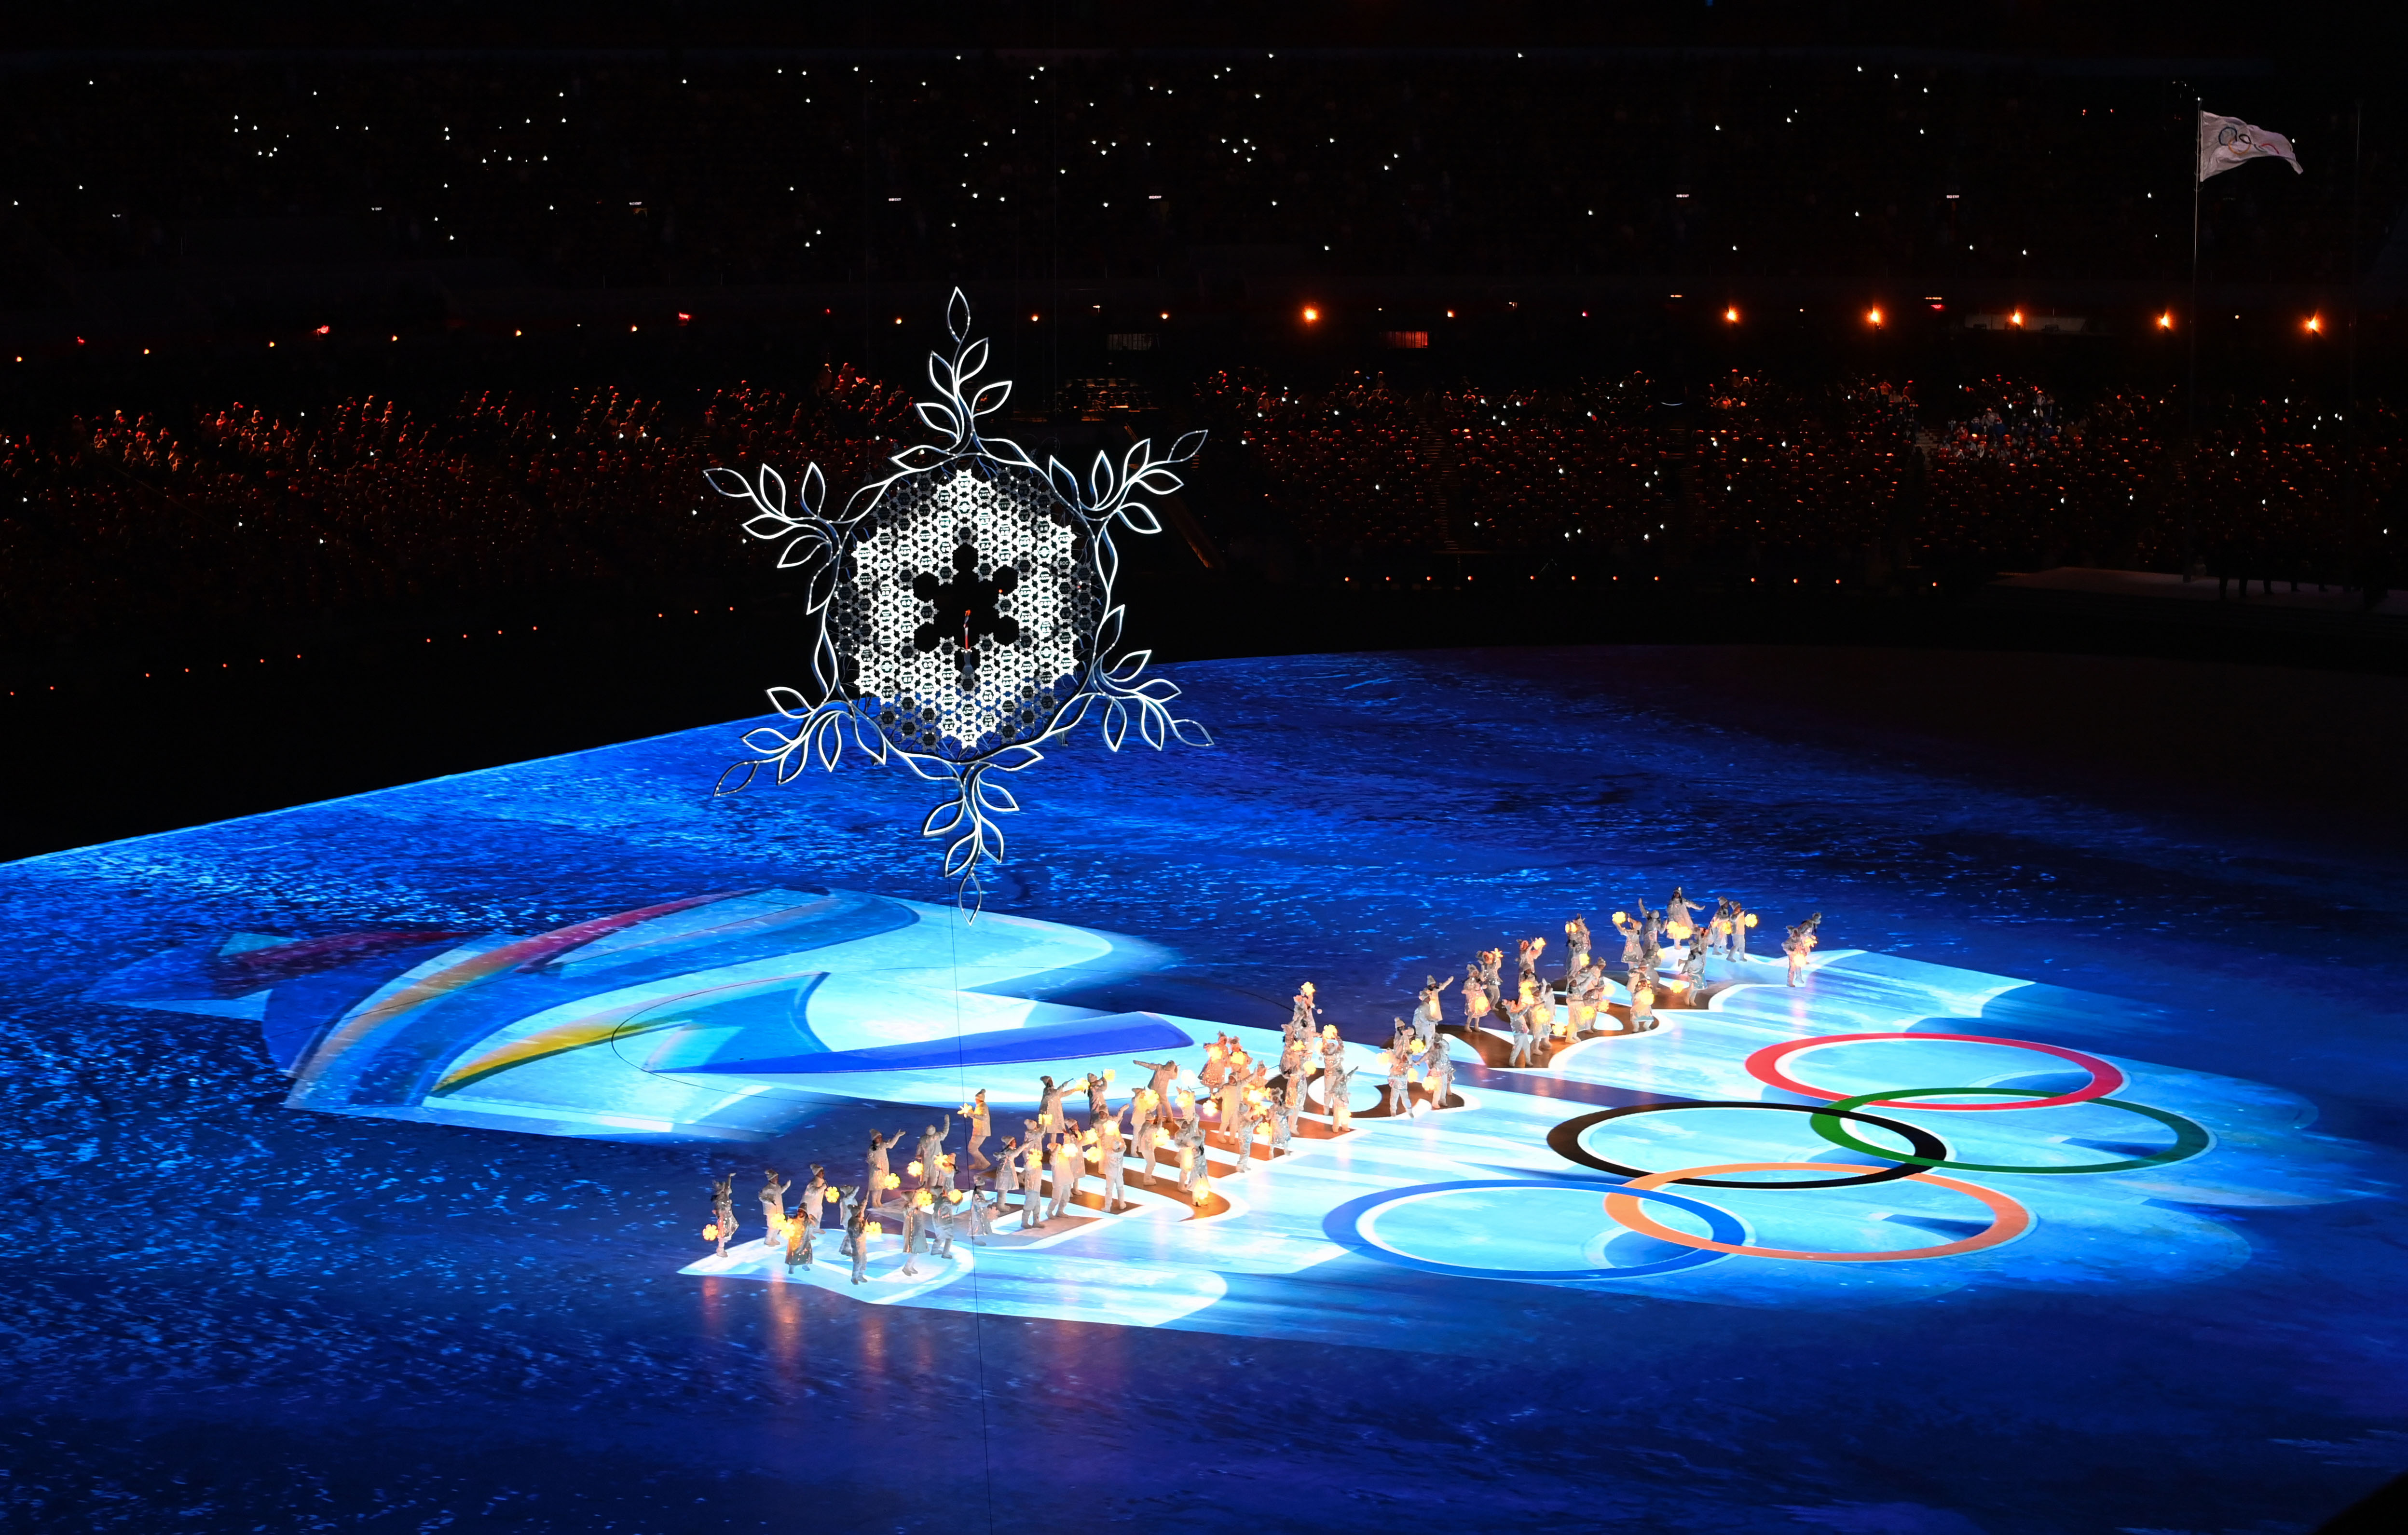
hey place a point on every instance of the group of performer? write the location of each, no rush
(1245, 1104)
(1663, 954)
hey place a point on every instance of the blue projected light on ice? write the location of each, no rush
(1775, 1146)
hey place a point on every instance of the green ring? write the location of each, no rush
(2190, 1138)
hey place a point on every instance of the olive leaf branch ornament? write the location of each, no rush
(962, 608)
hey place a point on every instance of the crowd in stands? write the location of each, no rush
(240, 515)
(1750, 475)
(594, 170)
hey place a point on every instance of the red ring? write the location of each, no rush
(1765, 1066)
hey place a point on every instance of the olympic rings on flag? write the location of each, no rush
(1927, 1149)
(2190, 1137)
(2007, 1219)
(1352, 1225)
(1765, 1066)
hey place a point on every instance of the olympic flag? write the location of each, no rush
(2225, 142)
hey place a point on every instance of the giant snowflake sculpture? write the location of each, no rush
(964, 608)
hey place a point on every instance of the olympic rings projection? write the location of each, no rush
(1351, 1225)
(2190, 1138)
(1765, 1066)
(2007, 1219)
(1928, 1150)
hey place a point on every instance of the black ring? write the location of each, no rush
(1565, 1140)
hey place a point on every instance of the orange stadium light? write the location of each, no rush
(1730, 316)
(2016, 318)
(2166, 320)
(1873, 316)
(1311, 315)
(2316, 325)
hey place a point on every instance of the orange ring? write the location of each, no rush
(2009, 1219)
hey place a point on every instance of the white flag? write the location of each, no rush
(2225, 142)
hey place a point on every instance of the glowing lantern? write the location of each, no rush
(1413, 1073)
(964, 1110)
(2316, 324)
(1147, 1097)
(956, 1196)
(711, 1232)
(1328, 1030)
(1679, 931)
(1676, 985)
(912, 1168)
(1311, 315)
(2166, 320)
(1419, 1048)
(1238, 1060)
(1751, 920)
(1621, 917)
(1202, 1194)
(1088, 1139)
(1108, 1075)
(1730, 315)
(922, 1199)
(893, 1182)
(2017, 318)
(1873, 317)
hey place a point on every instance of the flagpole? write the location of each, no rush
(2190, 395)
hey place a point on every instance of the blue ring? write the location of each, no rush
(1344, 1226)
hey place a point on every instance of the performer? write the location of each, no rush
(1070, 1166)
(981, 1126)
(856, 1234)
(1438, 1073)
(1113, 1149)
(1032, 1183)
(1049, 1109)
(1096, 1085)
(1216, 1062)
(1811, 930)
(1542, 1020)
(876, 1166)
(1693, 967)
(1007, 1174)
(802, 1234)
(982, 1216)
(1517, 1015)
(1189, 1135)
(1400, 1063)
(1717, 938)
(948, 1210)
(1631, 931)
(1426, 1020)
(914, 1217)
(1741, 920)
(1492, 976)
(1576, 938)
(1242, 1129)
(1145, 1121)
(1166, 1073)
(1797, 945)
(722, 1210)
(773, 1205)
(1302, 1010)
(815, 1194)
(1233, 1088)
(1333, 1049)
(1580, 1003)
(931, 1150)
(1643, 995)
(1678, 913)
(1475, 1000)
(1531, 949)
(1335, 1082)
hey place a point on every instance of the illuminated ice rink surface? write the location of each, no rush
(361, 1149)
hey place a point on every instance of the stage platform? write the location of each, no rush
(361, 1149)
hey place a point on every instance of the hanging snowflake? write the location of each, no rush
(964, 608)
